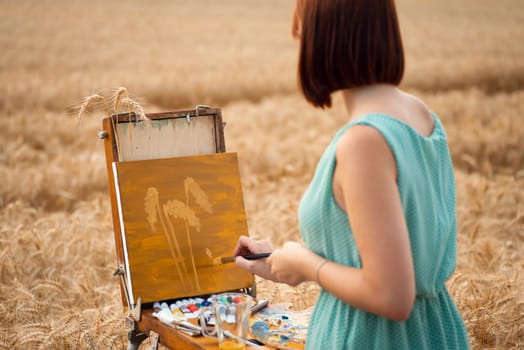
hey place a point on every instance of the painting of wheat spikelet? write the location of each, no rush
(175, 209)
(153, 211)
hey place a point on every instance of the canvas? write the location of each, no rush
(177, 215)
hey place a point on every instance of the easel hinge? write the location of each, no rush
(119, 271)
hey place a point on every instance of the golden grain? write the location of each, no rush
(87, 334)
(32, 338)
(36, 327)
(134, 106)
(48, 286)
(89, 103)
(117, 98)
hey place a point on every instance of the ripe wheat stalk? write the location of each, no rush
(120, 97)
(89, 103)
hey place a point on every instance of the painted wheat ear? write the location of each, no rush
(198, 194)
(209, 253)
(178, 209)
(150, 206)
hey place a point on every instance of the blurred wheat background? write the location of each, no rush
(464, 58)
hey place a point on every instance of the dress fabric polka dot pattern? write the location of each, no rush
(427, 188)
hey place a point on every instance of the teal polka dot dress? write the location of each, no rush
(427, 188)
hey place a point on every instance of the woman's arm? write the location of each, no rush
(365, 177)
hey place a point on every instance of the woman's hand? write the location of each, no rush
(292, 264)
(246, 245)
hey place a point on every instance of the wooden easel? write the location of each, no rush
(182, 133)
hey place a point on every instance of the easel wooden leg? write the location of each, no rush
(135, 339)
(134, 336)
(153, 336)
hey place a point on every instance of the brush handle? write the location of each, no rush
(229, 259)
(256, 256)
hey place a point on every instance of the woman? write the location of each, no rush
(378, 218)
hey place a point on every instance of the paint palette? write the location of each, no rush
(280, 327)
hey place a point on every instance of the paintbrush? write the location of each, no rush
(228, 259)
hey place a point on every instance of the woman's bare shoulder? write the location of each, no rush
(362, 144)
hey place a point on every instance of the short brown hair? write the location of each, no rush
(345, 44)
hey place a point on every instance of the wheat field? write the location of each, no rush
(57, 255)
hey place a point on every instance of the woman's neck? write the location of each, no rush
(362, 98)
